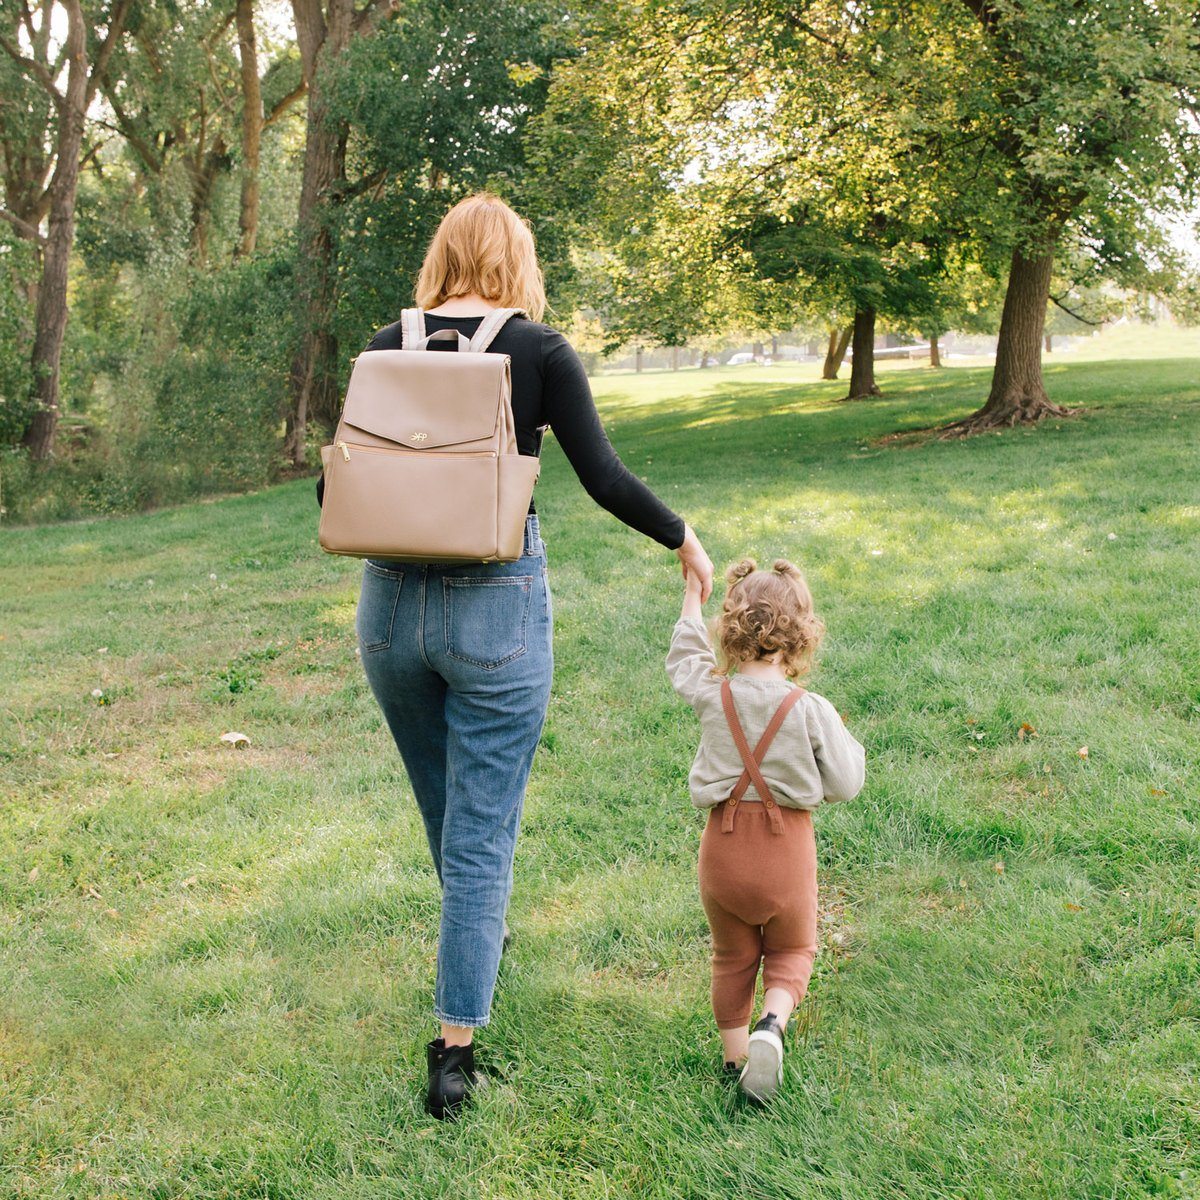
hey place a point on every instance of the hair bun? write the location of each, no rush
(781, 566)
(740, 570)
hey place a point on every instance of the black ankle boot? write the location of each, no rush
(451, 1077)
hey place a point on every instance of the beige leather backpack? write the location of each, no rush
(424, 464)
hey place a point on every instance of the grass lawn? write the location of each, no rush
(216, 965)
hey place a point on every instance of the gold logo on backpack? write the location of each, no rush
(418, 437)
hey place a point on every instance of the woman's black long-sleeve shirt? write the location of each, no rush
(550, 389)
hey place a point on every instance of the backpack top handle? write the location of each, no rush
(412, 330)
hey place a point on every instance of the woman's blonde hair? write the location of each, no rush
(481, 246)
(767, 612)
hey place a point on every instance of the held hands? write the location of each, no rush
(692, 591)
(697, 573)
(695, 561)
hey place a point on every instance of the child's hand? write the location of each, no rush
(693, 591)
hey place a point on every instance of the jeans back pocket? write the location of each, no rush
(377, 607)
(487, 618)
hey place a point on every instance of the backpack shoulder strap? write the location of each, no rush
(412, 328)
(490, 326)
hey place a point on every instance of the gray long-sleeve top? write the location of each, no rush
(814, 757)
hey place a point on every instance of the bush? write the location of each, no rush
(198, 410)
(220, 403)
(17, 263)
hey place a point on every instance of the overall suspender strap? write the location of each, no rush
(752, 762)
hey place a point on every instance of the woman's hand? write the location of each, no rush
(694, 561)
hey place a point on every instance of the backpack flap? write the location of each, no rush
(426, 401)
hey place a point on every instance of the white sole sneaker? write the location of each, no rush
(763, 1072)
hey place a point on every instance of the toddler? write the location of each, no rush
(758, 859)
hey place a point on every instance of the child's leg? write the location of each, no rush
(790, 937)
(737, 950)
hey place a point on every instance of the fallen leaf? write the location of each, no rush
(998, 867)
(1157, 792)
(1074, 907)
(239, 741)
(189, 881)
(1082, 752)
(33, 874)
(95, 895)
(1026, 730)
(111, 912)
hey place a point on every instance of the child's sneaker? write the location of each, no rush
(763, 1072)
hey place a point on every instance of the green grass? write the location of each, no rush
(216, 965)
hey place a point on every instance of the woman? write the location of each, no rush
(459, 657)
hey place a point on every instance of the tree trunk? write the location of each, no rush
(202, 173)
(321, 36)
(862, 364)
(1049, 342)
(51, 316)
(1018, 395)
(674, 358)
(834, 356)
(935, 351)
(637, 360)
(774, 347)
(704, 359)
(252, 127)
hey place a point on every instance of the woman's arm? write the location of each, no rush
(571, 412)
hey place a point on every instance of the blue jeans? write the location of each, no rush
(460, 659)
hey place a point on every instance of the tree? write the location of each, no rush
(182, 100)
(839, 341)
(85, 64)
(437, 105)
(1088, 107)
(809, 136)
(253, 120)
(324, 31)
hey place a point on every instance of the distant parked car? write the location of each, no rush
(740, 359)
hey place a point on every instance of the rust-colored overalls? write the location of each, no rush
(758, 883)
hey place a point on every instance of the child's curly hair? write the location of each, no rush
(767, 612)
